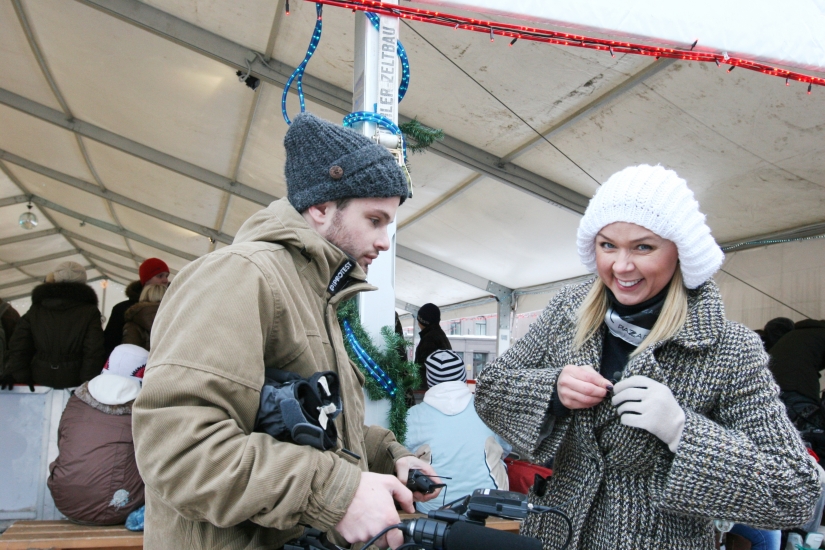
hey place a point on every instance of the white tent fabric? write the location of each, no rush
(791, 33)
(124, 123)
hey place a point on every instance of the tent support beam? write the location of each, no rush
(133, 148)
(29, 236)
(111, 228)
(234, 55)
(115, 197)
(56, 256)
(35, 279)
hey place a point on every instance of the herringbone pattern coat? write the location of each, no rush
(739, 457)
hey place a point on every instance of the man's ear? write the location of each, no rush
(319, 214)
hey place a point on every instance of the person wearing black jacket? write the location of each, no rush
(59, 341)
(798, 357)
(113, 334)
(433, 338)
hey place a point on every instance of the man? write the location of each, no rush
(433, 339)
(153, 271)
(269, 301)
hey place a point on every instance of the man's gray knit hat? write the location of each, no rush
(327, 162)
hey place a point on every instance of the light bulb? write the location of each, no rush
(27, 220)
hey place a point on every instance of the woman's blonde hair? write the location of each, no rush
(152, 293)
(590, 315)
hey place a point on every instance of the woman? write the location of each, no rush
(139, 318)
(693, 430)
(59, 341)
(94, 479)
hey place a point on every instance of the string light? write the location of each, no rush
(369, 364)
(287, 7)
(771, 241)
(298, 74)
(566, 39)
(513, 41)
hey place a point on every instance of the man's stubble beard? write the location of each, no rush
(341, 238)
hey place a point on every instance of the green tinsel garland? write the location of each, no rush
(403, 373)
(418, 136)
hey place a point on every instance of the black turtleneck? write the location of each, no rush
(616, 351)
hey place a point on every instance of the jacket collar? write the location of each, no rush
(326, 267)
(65, 293)
(705, 317)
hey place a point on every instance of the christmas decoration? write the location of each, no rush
(388, 376)
(420, 137)
(565, 39)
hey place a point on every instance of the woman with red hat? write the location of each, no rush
(153, 271)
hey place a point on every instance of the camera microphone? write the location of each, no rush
(439, 535)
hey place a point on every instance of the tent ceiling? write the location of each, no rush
(157, 117)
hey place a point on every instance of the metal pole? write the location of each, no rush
(375, 89)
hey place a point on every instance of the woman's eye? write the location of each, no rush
(607, 245)
(645, 247)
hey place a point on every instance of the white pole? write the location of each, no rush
(375, 89)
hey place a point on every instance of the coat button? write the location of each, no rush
(336, 172)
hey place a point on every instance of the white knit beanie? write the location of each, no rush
(659, 200)
(70, 272)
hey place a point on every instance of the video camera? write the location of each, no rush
(460, 525)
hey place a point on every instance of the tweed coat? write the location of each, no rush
(739, 457)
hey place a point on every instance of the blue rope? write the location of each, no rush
(369, 364)
(380, 120)
(298, 73)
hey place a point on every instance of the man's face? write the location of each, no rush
(360, 228)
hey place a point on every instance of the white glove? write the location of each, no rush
(647, 404)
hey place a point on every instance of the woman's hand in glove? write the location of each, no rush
(647, 404)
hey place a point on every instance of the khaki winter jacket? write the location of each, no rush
(268, 300)
(95, 479)
(137, 328)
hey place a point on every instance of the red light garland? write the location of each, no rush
(564, 39)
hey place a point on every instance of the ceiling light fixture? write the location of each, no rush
(28, 220)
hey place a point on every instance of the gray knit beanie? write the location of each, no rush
(327, 162)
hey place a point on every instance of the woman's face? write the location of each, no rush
(633, 262)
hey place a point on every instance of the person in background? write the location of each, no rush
(775, 329)
(432, 339)
(8, 322)
(797, 359)
(461, 446)
(59, 341)
(95, 480)
(139, 318)
(153, 271)
(661, 414)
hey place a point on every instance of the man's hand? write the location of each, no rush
(581, 387)
(402, 470)
(373, 509)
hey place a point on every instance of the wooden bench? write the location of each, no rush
(59, 535)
